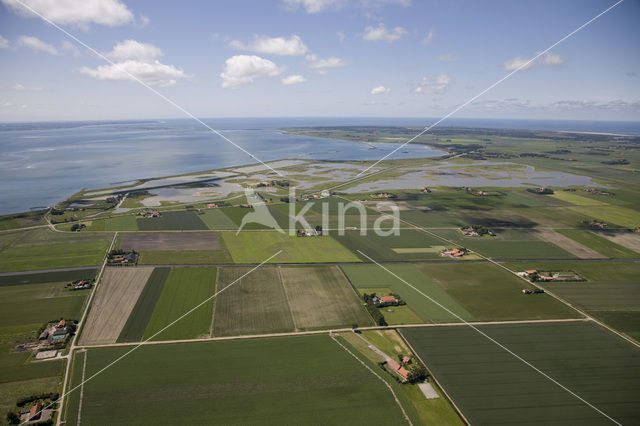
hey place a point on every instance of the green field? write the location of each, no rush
(117, 223)
(600, 244)
(321, 297)
(612, 215)
(47, 277)
(491, 386)
(138, 320)
(216, 219)
(184, 289)
(393, 314)
(256, 247)
(627, 322)
(234, 216)
(509, 247)
(381, 248)
(183, 257)
(255, 304)
(373, 276)
(39, 249)
(299, 380)
(173, 221)
(490, 293)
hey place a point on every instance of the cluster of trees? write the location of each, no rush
(77, 227)
(373, 310)
(482, 230)
(544, 191)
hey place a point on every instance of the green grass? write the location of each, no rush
(235, 215)
(173, 221)
(47, 277)
(256, 247)
(600, 244)
(138, 320)
(321, 297)
(381, 248)
(612, 215)
(577, 199)
(183, 257)
(255, 304)
(393, 314)
(117, 223)
(216, 219)
(609, 286)
(39, 303)
(39, 249)
(508, 248)
(184, 289)
(299, 380)
(373, 276)
(11, 392)
(624, 321)
(491, 386)
(489, 292)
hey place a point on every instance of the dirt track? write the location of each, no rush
(568, 244)
(170, 241)
(116, 296)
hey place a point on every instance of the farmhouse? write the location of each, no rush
(35, 412)
(456, 253)
(400, 370)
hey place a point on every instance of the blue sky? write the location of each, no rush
(387, 58)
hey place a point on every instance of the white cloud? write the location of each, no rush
(340, 36)
(243, 69)
(20, 88)
(427, 39)
(293, 46)
(434, 86)
(70, 47)
(447, 57)
(380, 90)
(547, 59)
(143, 21)
(4, 43)
(80, 12)
(321, 65)
(293, 79)
(317, 6)
(136, 61)
(151, 73)
(35, 43)
(132, 49)
(381, 33)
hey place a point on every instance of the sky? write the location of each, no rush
(318, 58)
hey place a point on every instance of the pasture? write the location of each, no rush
(410, 245)
(184, 289)
(239, 382)
(491, 293)
(321, 297)
(116, 223)
(136, 324)
(491, 386)
(216, 219)
(571, 245)
(38, 249)
(184, 257)
(117, 294)
(599, 243)
(256, 247)
(173, 221)
(256, 304)
(373, 276)
(170, 241)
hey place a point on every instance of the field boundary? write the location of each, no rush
(395, 397)
(435, 379)
(213, 309)
(286, 294)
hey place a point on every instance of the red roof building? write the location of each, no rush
(388, 299)
(61, 324)
(393, 365)
(403, 372)
(406, 360)
(35, 411)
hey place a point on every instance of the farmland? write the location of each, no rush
(490, 293)
(255, 304)
(320, 297)
(228, 378)
(184, 289)
(599, 243)
(39, 249)
(115, 298)
(490, 385)
(410, 245)
(173, 221)
(136, 324)
(256, 247)
(372, 276)
(170, 241)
